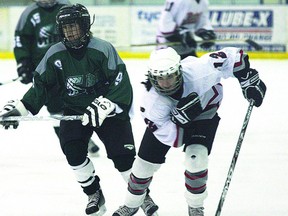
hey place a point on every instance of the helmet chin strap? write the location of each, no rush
(93, 20)
(84, 40)
(178, 94)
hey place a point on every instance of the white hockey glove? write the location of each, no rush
(12, 108)
(187, 109)
(253, 87)
(96, 113)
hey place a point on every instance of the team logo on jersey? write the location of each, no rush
(73, 85)
(191, 18)
(90, 79)
(81, 84)
(47, 36)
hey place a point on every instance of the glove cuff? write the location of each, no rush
(22, 109)
(14, 108)
(26, 62)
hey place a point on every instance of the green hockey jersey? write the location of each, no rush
(99, 71)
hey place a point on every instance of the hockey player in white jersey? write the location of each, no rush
(180, 20)
(180, 109)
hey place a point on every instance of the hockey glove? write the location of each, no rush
(25, 71)
(187, 109)
(96, 113)
(252, 87)
(206, 35)
(187, 40)
(12, 108)
(184, 38)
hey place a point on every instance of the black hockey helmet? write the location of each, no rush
(74, 15)
(46, 3)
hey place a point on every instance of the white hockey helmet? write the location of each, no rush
(46, 3)
(164, 62)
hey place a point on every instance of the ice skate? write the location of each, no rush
(125, 211)
(149, 207)
(96, 204)
(93, 149)
(196, 211)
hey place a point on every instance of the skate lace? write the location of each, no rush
(196, 211)
(147, 204)
(124, 210)
(93, 199)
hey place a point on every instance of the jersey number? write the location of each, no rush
(151, 125)
(169, 6)
(218, 55)
(35, 19)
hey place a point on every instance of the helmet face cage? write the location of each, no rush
(74, 14)
(165, 64)
(46, 3)
(154, 76)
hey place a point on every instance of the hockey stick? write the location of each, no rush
(234, 159)
(252, 43)
(41, 118)
(10, 81)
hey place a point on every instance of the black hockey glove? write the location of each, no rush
(187, 40)
(25, 71)
(252, 87)
(184, 38)
(206, 35)
(12, 108)
(187, 109)
(96, 113)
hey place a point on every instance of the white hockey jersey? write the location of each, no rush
(189, 14)
(201, 75)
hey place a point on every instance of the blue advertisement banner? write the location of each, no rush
(229, 23)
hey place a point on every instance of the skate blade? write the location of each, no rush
(101, 211)
(154, 211)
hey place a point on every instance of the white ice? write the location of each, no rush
(35, 178)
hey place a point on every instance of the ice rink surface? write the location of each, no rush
(35, 178)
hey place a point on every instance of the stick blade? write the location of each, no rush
(252, 43)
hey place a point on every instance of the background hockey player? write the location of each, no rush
(180, 20)
(34, 34)
(93, 82)
(180, 108)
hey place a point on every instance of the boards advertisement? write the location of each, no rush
(126, 25)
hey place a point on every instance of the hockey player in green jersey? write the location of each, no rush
(92, 81)
(34, 34)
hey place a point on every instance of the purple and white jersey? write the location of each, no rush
(201, 75)
(189, 14)
(185, 13)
